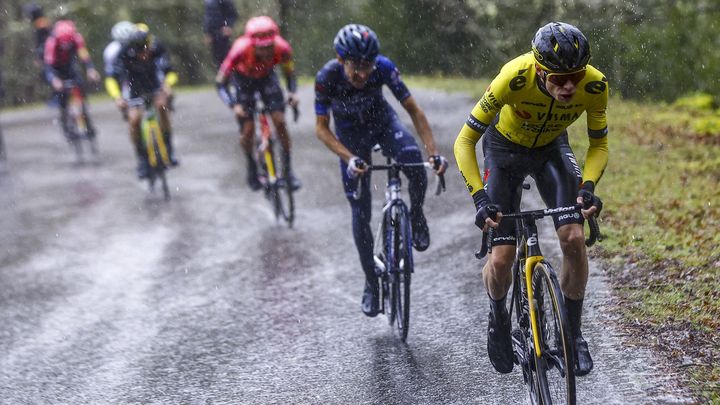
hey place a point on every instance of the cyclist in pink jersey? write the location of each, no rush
(249, 66)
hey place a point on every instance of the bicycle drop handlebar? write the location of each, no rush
(538, 214)
(440, 183)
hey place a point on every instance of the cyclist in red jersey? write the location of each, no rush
(62, 50)
(250, 63)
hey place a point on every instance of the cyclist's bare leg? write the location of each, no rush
(574, 274)
(160, 100)
(247, 137)
(134, 119)
(497, 273)
(573, 279)
(135, 115)
(278, 119)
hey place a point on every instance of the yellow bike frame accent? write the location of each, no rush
(530, 263)
(151, 129)
(269, 163)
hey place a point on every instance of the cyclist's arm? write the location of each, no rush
(597, 154)
(84, 54)
(112, 87)
(325, 134)
(466, 158)
(477, 122)
(421, 124)
(288, 69)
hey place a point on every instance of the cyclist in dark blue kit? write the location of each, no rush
(351, 86)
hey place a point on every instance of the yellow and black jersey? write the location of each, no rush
(527, 115)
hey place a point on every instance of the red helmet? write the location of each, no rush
(64, 31)
(261, 30)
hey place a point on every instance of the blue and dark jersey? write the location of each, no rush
(353, 107)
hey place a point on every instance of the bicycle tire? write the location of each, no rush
(389, 299)
(402, 269)
(556, 365)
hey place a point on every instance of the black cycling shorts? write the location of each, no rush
(553, 167)
(267, 87)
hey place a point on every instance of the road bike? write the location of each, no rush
(158, 157)
(75, 127)
(541, 340)
(277, 188)
(393, 246)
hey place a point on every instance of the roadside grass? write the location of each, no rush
(661, 224)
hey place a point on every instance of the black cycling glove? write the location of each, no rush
(589, 198)
(485, 208)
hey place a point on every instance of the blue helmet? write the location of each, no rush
(355, 41)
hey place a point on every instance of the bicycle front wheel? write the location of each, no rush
(285, 202)
(402, 269)
(555, 365)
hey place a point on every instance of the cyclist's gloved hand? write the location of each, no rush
(224, 94)
(355, 167)
(440, 164)
(485, 209)
(588, 199)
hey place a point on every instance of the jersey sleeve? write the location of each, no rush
(391, 78)
(322, 97)
(490, 103)
(232, 57)
(598, 153)
(477, 122)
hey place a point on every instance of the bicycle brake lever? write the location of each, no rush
(440, 184)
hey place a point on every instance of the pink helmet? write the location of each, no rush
(64, 31)
(261, 30)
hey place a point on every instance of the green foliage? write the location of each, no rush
(648, 49)
(696, 101)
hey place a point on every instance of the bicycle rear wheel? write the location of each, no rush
(555, 365)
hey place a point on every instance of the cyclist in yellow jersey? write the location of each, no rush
(522, 119)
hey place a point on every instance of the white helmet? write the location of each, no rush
(122, 31)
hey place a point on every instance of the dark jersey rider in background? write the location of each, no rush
(143, 64)
(218, 22)
(351, 87)
(522, 119)
(41, 28)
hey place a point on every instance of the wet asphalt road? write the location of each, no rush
(109, 295)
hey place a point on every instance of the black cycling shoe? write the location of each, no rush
(252, 177)
(143, 169)
(583, 361)
(499, 343)
(420, 230)
(294, 182)
(370, 301)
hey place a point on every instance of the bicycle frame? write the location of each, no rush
(76, 107)
(152, 136)
(157, 152)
